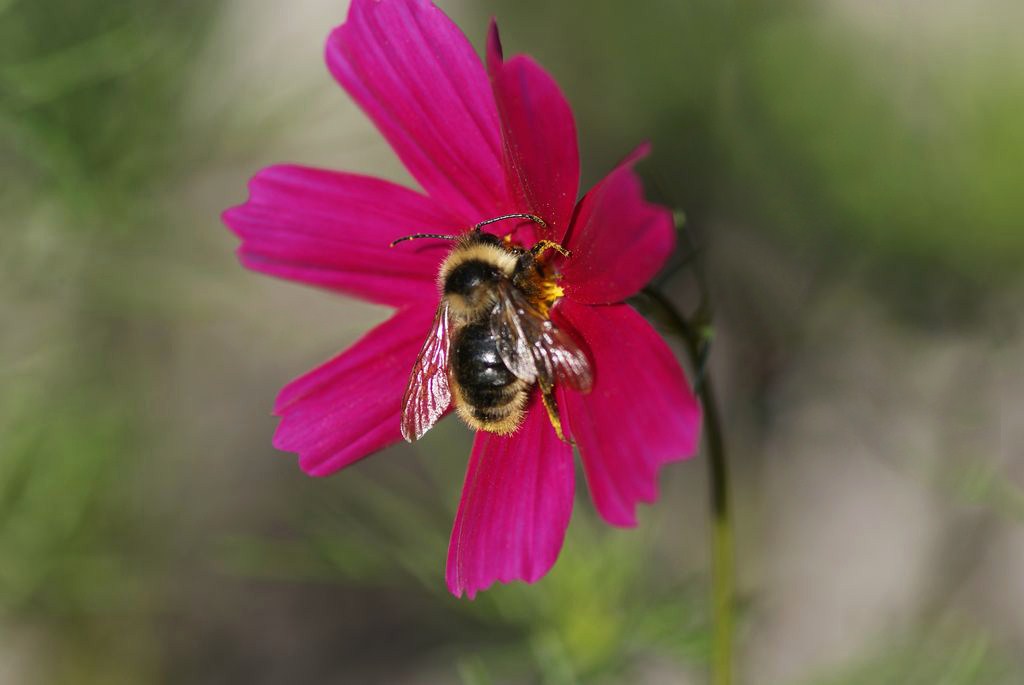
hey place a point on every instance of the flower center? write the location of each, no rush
(547, 291)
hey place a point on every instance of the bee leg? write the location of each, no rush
(543, 245)
(552, 407)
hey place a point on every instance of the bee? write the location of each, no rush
(492, 338)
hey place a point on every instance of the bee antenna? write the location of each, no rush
(532, 217)
(476, 228)
(417, 236)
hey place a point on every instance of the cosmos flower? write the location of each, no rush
(481, 142)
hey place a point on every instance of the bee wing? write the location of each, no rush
(532, 347)
(429, 395)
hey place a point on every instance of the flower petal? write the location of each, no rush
(639, 415)
(414, 73)
(516, 504)
(618, 240)
(542, 160)
(332, 230)
(352, 405)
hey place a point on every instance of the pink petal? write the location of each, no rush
(332, 230)
(639, 415)
(541, 155)
(516, 503)
(415, 74)
(351, 406)
(618, 240)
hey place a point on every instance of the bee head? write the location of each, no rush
(469, 277)
(470, 274)
(469, 286)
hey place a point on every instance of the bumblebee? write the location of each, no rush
(492, 338)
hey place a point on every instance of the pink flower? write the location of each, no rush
(481, 143)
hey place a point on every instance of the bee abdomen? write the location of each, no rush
(501, 417)
(488, 395)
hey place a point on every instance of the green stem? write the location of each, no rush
(719, 498)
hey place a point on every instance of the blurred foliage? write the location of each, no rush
(982, 483)
(585, 623)
(90, 98)
(940, 657)
(909, 156)
(606, 610)
(59, 521)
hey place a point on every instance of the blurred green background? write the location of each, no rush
(852, 172)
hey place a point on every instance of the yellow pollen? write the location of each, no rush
(549, 293)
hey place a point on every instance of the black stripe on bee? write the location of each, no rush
(478, 368)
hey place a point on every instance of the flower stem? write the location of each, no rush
(696, 341)
(721, 538)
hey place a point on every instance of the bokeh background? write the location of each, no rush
(851, 172)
